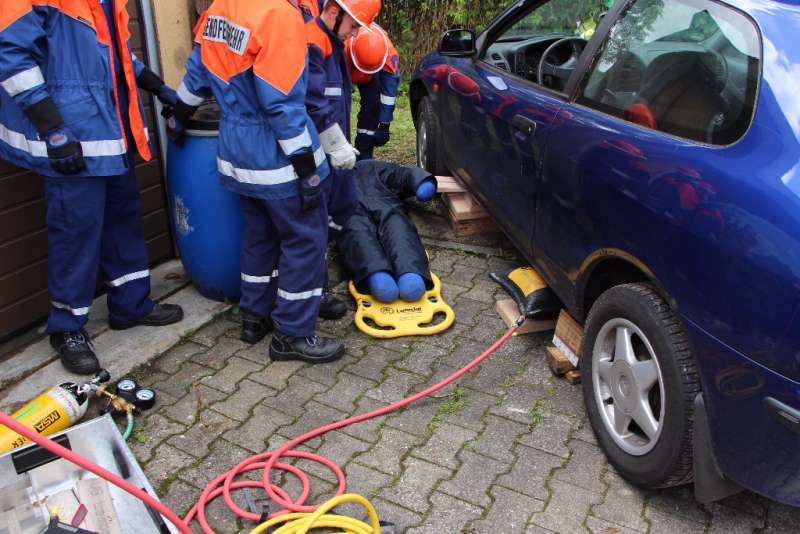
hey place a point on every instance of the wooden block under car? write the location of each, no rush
(508, 311)
(449, 184)
(557, 362)
(464, 207)
(573, 377)
(568, 337)
(472, 226)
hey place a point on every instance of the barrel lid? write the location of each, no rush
(206, 118)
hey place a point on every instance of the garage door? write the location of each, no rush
(23, 234)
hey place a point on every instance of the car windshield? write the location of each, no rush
(558, 16)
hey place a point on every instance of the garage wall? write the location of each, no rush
(23, 235)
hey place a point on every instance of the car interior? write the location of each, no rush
(694, 83)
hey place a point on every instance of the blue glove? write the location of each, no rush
(411, 286)
(382, 134)
(426, 190)
(383, 287)
(167, 95)
(64, 151)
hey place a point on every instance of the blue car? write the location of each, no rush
(644, 156)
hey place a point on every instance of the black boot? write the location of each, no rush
(331, 307)
(313, 349)
(254, 327)
(162, 315)
(75, 351)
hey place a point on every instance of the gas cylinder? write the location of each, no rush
(52, 411)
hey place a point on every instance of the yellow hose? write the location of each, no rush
(301, 523)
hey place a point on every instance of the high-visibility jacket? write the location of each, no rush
(329, 97)
(62, 49)
(252, 56)
(388, 82)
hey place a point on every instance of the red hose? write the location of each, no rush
(79, 460)
(223, 484)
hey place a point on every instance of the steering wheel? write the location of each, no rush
(559, 72)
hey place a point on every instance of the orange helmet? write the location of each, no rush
(369, 49)
(363, 11)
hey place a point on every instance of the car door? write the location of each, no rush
(497, 112)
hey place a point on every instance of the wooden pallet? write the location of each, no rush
(508, 311)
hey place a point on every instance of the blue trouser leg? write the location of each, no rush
(123, 253)
(302, 265)
(343, 198)
(259, 258)
(368, 117)
(75, 208)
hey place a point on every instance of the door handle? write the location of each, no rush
(524, 125)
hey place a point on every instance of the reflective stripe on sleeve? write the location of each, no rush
(333, 91)
(189, 97)
(294, 144)
(388, 100)
(22, 81)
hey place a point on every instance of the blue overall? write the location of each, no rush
(329, 100)
(264, 122)
(378, 97)
(96, 223)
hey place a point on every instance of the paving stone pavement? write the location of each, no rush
(507, 450)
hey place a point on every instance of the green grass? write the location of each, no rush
(454, 403)
(401, 148)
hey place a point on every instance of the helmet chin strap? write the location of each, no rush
(339, 19)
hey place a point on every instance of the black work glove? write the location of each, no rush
(306, 169)
(63, 148)
(176, 120)
(65, 152)
(149, 81)
(382, 134)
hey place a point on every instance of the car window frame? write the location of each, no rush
(587, 70)
(525, 7)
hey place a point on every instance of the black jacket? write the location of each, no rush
(380, 236)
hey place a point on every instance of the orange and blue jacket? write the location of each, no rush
(329, 98)
(386, 83)
(63, 49)
(252, 57)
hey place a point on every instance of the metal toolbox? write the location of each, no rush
(34, 484)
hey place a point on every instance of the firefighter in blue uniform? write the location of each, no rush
(329, 100)
(252, 56)
(70, 111)
(375, 70)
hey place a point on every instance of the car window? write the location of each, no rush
(520, 47)
(688, 68)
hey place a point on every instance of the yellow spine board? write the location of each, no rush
(50, 412)
(401, 318)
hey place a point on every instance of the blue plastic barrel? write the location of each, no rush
(206, 218)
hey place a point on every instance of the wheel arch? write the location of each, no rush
(416, 92)
(607, 268)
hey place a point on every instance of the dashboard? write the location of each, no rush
(521, 57)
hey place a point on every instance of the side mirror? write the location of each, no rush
(458, 43)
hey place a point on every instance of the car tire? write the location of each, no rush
(428, 138)
(636, 355)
